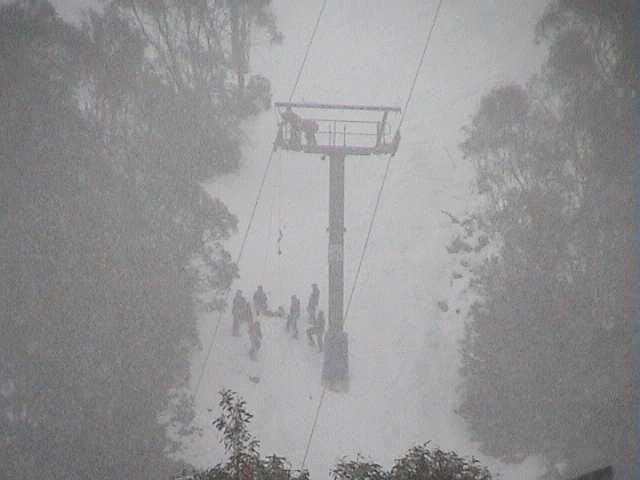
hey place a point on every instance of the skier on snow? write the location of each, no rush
(260, 301)
(294, 315)
(314, 299)
(318, 330)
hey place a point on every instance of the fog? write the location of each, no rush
(403, 349)
(435, 327)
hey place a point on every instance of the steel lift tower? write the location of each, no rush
(334, 132)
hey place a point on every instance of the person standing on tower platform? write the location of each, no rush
(238, 312)
(260, 301)
(314, 299)
(298, 125)
(295, 125)
(294, 315)
(318, 330)
(310, 128)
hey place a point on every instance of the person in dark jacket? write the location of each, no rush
(314, 299)
(298, 125)
(295, 125)
(294, 315)
(238, 312)
(260, 302)
(318, 330)
(310, 128)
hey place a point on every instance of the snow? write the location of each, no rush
(403, 349)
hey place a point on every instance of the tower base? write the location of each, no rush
(335, 369)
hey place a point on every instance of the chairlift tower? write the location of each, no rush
(334, 132)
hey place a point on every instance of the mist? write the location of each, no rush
(488, 293)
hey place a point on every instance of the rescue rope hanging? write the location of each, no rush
(258, 196)
(280, 226)
(269, 229)
(279, 240)
(279, 206)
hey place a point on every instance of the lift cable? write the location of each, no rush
(269, 231)
(386, 170)
(313, 427)
(255, 205)
(238, 258)
(306, 53)
(422, 57)
(373, 217)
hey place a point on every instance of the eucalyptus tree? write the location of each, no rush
(547, 357)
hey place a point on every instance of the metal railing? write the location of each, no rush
(335, 132)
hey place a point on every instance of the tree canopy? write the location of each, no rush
(245, 461)
(547, 355)
(107, 236)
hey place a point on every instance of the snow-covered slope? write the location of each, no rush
(403, 348)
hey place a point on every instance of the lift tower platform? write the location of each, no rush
(336, 131)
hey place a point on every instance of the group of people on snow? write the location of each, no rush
(243, 312)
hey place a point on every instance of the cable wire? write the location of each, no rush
(238, 258)
(269, 231)
(373, 217)
(422, 57)
(388, 165)
(257, 201)
(313, 428)
(306, 53)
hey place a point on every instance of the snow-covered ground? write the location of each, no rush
(403, 348)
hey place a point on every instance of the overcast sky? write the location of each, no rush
(366, 52)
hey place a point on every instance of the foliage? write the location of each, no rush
(434, 464)
(244, 461)
(238, 442)
(108, 237)
(546, 356)
(358, 469)
(419, 463)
